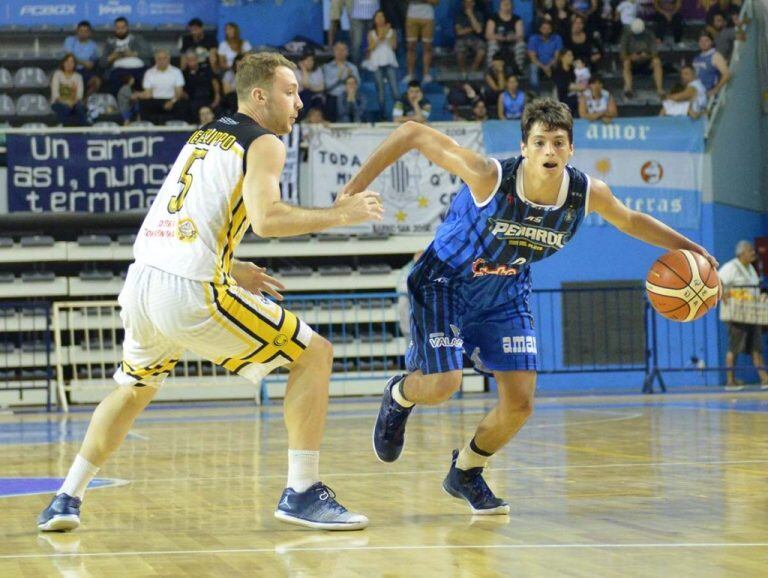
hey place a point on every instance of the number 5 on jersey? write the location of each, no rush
(185, 179)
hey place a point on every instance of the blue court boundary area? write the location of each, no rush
(57, 431)
(11, 487)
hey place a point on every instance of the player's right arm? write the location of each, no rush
(270, 217)
(480, 173)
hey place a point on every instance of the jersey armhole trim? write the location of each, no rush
(586, 196)
(495, 189)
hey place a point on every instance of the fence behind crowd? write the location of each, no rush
(611, 331)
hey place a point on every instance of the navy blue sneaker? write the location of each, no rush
(317, 508)
(389, 431)
(61, 515)
(469, 485)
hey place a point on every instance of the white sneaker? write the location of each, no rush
(407, 78)
(427, 79)
(764, 386)
(734, 387)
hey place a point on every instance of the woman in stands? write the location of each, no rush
(67, 93)
(382, 60)
(231, 46)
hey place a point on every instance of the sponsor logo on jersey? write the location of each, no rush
(534, 218)
(280, 340)
(440, 339)
(186, 230)
(482, 267)
(510, 230)
(519, 344)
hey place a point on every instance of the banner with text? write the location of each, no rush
(92, 173)
(68, 12)
(415, 192)
(98, 173)
(653, 164)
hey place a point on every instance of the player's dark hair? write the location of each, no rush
(84, 23)
(195, 22)
(414, 84)
(549, 112)
(121, 19)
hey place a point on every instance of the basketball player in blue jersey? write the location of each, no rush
(469, 290)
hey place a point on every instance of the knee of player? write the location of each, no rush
(320, 350)
(520, 403)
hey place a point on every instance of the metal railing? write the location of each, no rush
(580, 330)
(25, 349)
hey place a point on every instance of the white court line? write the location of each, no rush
(507, 469)
(135, 434)
(203, 552)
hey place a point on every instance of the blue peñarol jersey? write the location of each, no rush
(508, 232)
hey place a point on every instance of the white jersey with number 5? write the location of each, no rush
(198, 217)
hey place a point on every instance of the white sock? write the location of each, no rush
(303, 469)
(397, 395)
(80, 475)
(468, 459)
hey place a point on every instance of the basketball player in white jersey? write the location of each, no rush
(185, 291)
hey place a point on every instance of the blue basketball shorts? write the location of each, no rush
(451, 318)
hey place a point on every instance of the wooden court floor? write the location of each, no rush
(672, 485)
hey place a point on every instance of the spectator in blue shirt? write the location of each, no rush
(86, 53)
(543, 50)
(350, 105)
(512, 100)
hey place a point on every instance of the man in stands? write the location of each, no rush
(86, 54)
(203, 44)
(124, 53)
(710, 66)
(543, 50)
(412, 106)
(596, 103)
(335, 74)
(639, 51)
(163, 87)
(693, 92)
(201, 87)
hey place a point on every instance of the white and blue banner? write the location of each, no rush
(653, 165)
(67, 13)
(415, 192)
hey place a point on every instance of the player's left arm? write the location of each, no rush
(637, 224)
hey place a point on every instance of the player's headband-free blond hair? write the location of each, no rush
(258, 70)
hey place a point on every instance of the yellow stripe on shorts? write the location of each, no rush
(274, 339)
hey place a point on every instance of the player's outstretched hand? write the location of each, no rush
(703, 252)
(359, 208)
(255, 279)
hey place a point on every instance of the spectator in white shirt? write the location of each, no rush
(163, 87)
(231, 46)
(693, 93)
(360, 21)
(741, 283)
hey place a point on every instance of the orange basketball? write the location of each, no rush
(682, 285)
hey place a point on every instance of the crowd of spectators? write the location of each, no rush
(499, 64)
